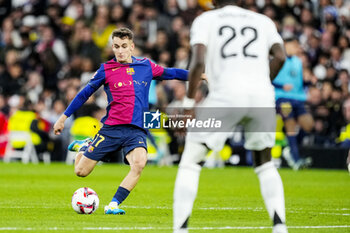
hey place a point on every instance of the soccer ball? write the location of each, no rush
(85, 201)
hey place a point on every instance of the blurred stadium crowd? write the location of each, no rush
(49, 49)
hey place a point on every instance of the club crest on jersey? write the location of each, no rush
(130, 71)
(91, 149)
(286, 109)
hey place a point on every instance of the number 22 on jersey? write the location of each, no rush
(250, 35)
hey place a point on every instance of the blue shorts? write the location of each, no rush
(289, 108)
(113, 138)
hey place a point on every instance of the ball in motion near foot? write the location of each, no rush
(85, 201)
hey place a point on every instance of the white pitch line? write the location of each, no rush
(335, 214)
(313, 212)
(199, 208)
(163, 228)
(292, 210)
(213, 228)
(255, 209)
(318, 227)
(142, 207)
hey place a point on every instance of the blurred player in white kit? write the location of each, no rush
(233, 45)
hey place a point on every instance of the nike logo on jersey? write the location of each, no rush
(140, 142)
(115, 69)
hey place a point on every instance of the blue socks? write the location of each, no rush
(120, 195)
(293, 144)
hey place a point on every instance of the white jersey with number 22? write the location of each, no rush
(238, 42)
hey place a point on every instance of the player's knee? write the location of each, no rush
(80, 172)
(308, 127)
(139, 164)
(194, 154)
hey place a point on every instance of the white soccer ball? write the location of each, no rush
(85, 201)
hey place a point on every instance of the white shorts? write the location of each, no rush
(259, 121)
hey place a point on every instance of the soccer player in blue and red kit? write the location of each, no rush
(126, 81)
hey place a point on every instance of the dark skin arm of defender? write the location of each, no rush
(279, 57)
(196, 69)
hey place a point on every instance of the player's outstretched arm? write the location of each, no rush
(279, 56)
(76, 103)
(173, 73)
(179, 74)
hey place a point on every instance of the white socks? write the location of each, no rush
(180, 231)
(185, 193)
(186, 184)
(113, 204)
(271, 188)
(280, 228)
(186, 187)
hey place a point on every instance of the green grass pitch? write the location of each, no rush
(37, 198)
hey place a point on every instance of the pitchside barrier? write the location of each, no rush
(326, 157)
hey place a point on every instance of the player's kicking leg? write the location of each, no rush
(271, 188)
(137, 159)
(186, 184)
(83, 166)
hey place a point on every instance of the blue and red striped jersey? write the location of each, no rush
(127, 87)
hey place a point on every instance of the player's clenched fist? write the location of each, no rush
(59, 125)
